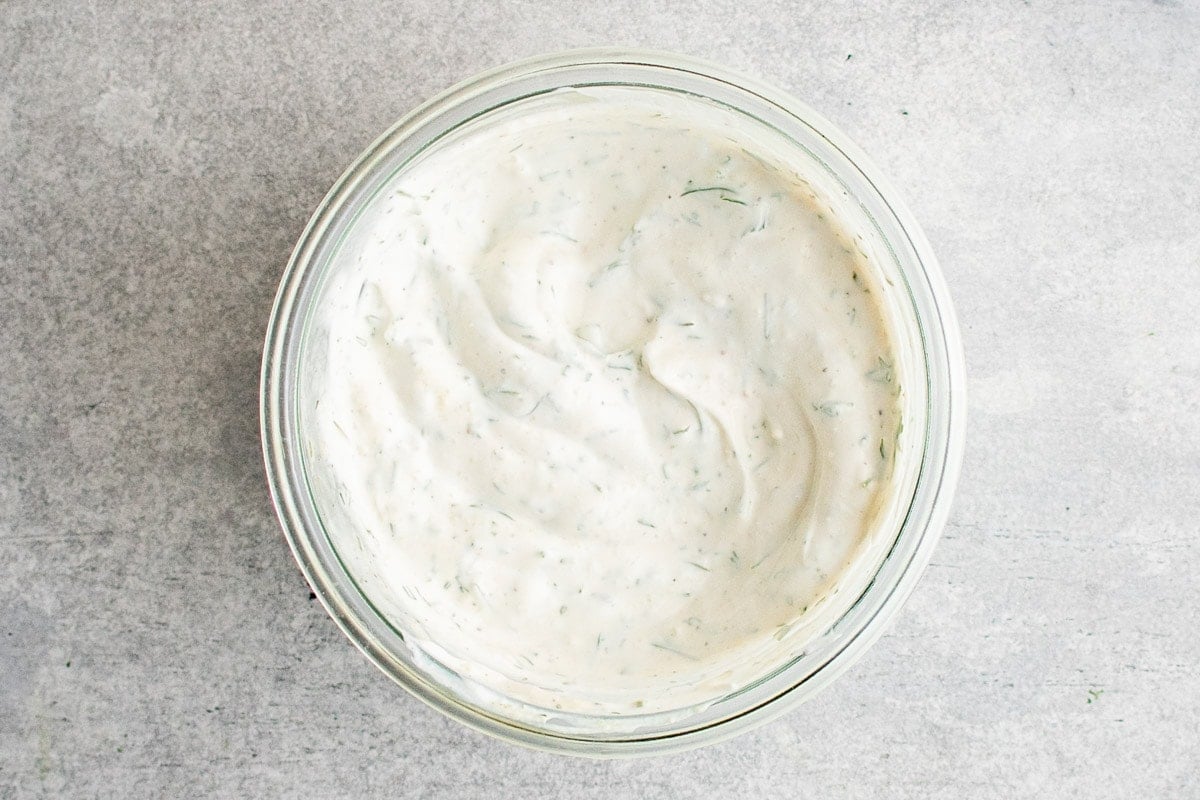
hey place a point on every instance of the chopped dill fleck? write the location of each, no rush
(831, 408)
(482, 507)
(537, 405)
(670, 649)
(695, 189)
(882, 372)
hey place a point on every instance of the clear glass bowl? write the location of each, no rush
(918, 303)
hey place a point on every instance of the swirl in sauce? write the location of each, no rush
(609, 404)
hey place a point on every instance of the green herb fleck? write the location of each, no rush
(607, 268)
(673, 650)
(832, 408)
(882, 372)
(482, 507)
(695, 189)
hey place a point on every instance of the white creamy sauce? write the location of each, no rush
(610, 405)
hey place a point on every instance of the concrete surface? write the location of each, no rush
(158, 160)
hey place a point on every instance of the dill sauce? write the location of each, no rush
(610, 405)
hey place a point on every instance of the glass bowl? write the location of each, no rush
(915, 298)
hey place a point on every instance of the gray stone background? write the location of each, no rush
(158, 160)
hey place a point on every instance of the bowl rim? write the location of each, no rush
(941, 456)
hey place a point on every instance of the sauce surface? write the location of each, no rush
(610, 404)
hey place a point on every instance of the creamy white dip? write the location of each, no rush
(610, 405)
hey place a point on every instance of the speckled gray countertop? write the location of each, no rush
(157, 161)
